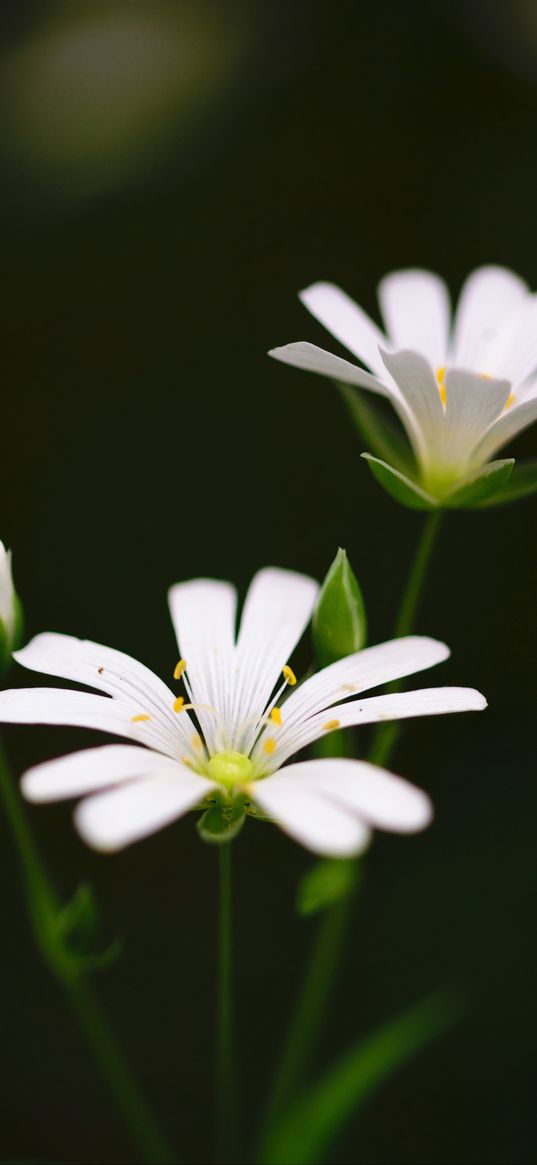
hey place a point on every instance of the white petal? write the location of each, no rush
(421, 408)
(514, 353)
(373, 709)
(203, 613)
(112, 820)
(487, 298)
(91, 769)
(472, 404)
(310, 818)
(346, 321)
(416, 310)
(517, 418)
(277, 609)
(83, 710)
(314, 359)
(113, 672)
(359, 672)
(375, 795)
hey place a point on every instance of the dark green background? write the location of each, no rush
(147, 438)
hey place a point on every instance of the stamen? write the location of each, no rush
(179, 704)
(179, 669)
(441, 376)
(349, 688)
(510, 401)
(141, 716)
(276, 716)
(269, 746)
(485, 376)
(289, 675)
(196, 741)
(331, 724)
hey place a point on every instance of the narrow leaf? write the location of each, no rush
(307, 1129)
(325, 883)
(376, 430)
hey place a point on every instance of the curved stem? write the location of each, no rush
(44, 908)
(319, 981)
(226, 1081)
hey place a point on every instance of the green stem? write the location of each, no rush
(44, 906)
(387, 735)
(319, 982)
(226, 1067)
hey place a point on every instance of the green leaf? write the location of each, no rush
(376, 430)
(327, 882)
(306, 1130)
(522, 483)
(481, 486)
(339, 619)
(222, 822)
(400, 487)
(78, 929)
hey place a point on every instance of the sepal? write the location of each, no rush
(222, 821)
(400, 487)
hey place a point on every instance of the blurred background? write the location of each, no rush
(172, 174)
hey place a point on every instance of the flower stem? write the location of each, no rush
(319, 982)
(44, 908)
(387, 735)
(226, 1066)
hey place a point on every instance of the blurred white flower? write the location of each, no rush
(461, 391)
(243, 734)
(10, 608)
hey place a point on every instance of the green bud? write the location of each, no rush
(339, 620)
(11, 616)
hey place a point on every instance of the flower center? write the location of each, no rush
(230, 768)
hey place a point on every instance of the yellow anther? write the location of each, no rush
(196, 741)
(269, 745)
(178, 704)
(485, 376)
(441, 376)
(187, 760)
(276, 716)
(289, 675)
(138, 719)
(179, 669)
(349, 688)
(510, 400)
(331, 724)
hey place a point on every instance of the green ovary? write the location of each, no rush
(230, 769)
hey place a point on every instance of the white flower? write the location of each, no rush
(243, 733)
(460, 391)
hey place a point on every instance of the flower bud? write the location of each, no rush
(339, 620)
(10, 610)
